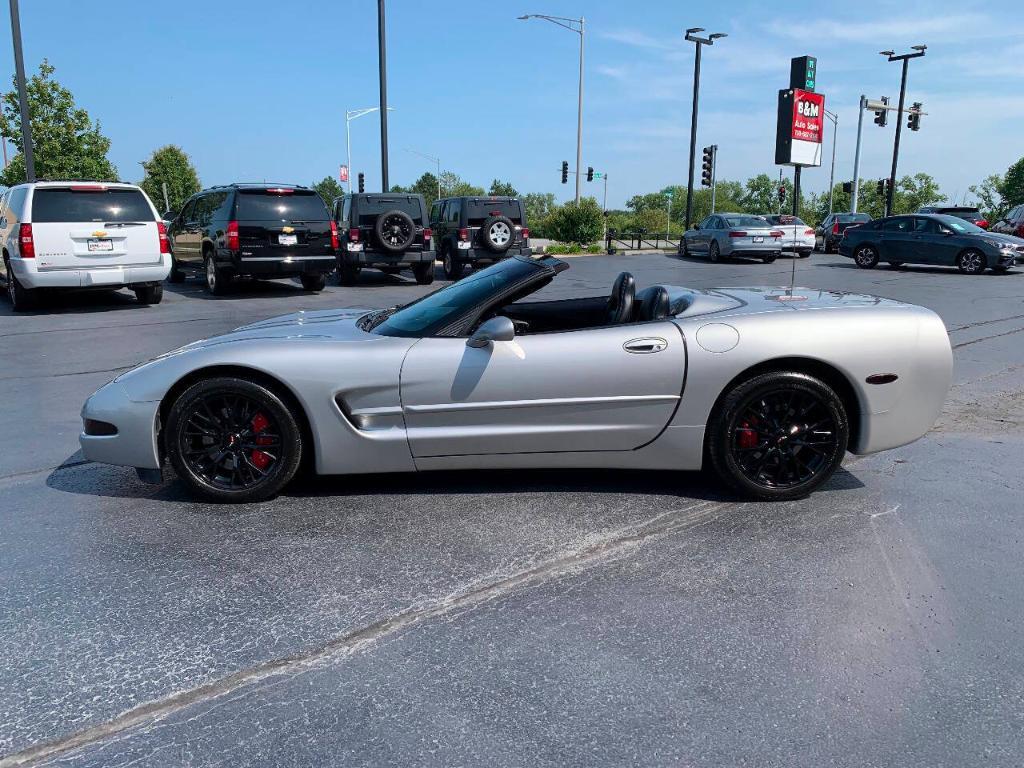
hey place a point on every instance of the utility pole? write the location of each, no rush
(919, 50)
(383, 108)
(856, 153)
(832, 174)
(19, 73)
(431, 158)
(579, 27)
(699, 42)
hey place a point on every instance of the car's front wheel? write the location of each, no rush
(217, 280)
(972, 262)
(714, 253)
(452, 267)
(423, 272)
(865, 257)
(778, 436)
(230, 439)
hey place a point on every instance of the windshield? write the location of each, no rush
(959, 225)
(746, 221)
(440, 308)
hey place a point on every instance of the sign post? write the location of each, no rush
(801, 122)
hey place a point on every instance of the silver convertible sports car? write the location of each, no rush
(770, 387)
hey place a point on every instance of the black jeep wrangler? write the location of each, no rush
(478, 230)
(388, 231)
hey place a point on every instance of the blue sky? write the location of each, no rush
(258, 90)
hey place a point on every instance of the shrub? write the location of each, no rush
(576, 223)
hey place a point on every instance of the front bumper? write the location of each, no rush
(136, 442)
(285, 266)
(369, 258)
(91, 277)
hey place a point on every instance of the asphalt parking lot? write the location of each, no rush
(512, 618)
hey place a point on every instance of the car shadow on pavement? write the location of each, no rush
(77, 302)
(119, 482)
(919, 269)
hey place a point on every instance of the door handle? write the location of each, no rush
(645, 346)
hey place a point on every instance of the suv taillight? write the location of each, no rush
(353, 235)
(777, 233)
(427, 233)
(165, 244)
(26, 243)
(464, 234)
(835, 227)
(525, 232)
(737, 233)
(232, 235)
(334, 236)
(808, 231)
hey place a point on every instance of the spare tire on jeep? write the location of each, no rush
(497, 233)
(395, 230)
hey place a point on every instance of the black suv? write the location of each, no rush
(966, 212)
(388, 231)
(253, 230)
(828, 234)
(478, 230)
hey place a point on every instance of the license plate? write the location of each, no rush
(100, 245)
(287, 239)
(758, 239)
(354, 246)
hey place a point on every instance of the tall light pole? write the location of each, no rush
(856, 153)
(19, 73)
(432, 159)
(579, 27)
(905, 58)
(832, 174)
(700, 42)
(351, 115)
(382, 63)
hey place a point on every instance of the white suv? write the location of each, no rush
(80, 235)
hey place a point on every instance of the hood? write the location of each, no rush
(1002, 241)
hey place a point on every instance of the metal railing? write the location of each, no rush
(641, 240)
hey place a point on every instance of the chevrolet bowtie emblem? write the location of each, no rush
(99, 233)
(288, 230)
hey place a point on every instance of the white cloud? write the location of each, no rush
(636, 38)
(911, 29)
(615, 73)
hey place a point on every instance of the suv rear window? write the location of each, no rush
(850, 218)
(478, 210)
(260, 205)
(369, 208)
(56, 204)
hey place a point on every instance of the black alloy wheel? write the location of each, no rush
(972, 262)
(779, 436)
(233, 440)
(714, 254)
(865, 257)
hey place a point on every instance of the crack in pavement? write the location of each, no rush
(987, 338)
(590, 553)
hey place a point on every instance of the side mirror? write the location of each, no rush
(495, 329)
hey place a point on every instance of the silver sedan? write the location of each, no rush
(725, 235)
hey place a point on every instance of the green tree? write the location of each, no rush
(539, 206)
(169, 165)
(573, 222)
(761, 194)
(913, 192)
(502, 189)
(1012, 188)
(329, 188)
(67, 143)
(452, 185)
(990, 199)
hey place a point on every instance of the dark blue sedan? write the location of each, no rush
(931, 239)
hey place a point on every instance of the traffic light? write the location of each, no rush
(882, 115)
(362, 184)
(914, 118)
(848, 187)
(706, 167)
(782, 194)
(565, 171)
(881, 185)
(590, 173)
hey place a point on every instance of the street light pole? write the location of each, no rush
(579, 27)
(856, 153)
(19, 72)
(692, 37)
(383, 73)
(832, 174)
(351, 115)
(919, 50)
(432, 159)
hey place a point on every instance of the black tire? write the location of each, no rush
(313, 282)
(395, 230)
(865, 256)
(423, 272)
(684, 250)
(972, 262)
(830, 247)
(22, 299)
(348, 274)
(453, 268)
(497, 233)
(218, 281)
(233, 440)
(149, 294)
(770, 258)
(175, 275)
(714, 252)
(778, 436)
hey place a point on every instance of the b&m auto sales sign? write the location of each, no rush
(801, 124)
(808, 115)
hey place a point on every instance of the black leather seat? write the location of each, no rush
(652, 304)
(620, 302)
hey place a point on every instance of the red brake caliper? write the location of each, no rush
(260, 459)
(746, 435)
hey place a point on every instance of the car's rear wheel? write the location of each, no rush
(348, 274)
(972, 262)
(684, 250)
(423, 272)
(21, 298)
(714, 252)
(771, 257)
(217, 280)
(233, 440)
(149, 294)
(314, 282)
(778, 436)
(453, 268)
(865, 257)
